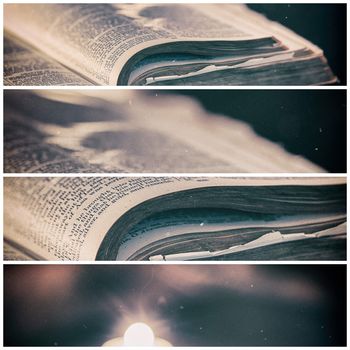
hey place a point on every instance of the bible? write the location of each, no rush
(125, 131)
(174, 218)
(154, 44)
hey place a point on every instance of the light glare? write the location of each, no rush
(139, 334)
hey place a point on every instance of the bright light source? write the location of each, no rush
(139, 334)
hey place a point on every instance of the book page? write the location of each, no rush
(25, 66)
(268, 239)
(250, 21)
(132, 131)
(67, 218)
(202, 225)
(96, 40)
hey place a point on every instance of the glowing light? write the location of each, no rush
(139, 334)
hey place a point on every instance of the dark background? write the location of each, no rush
(188, 305)
(311, 123)
(322, 24)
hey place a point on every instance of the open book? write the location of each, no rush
(154, 44)
(55, 131)
(170, 218)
